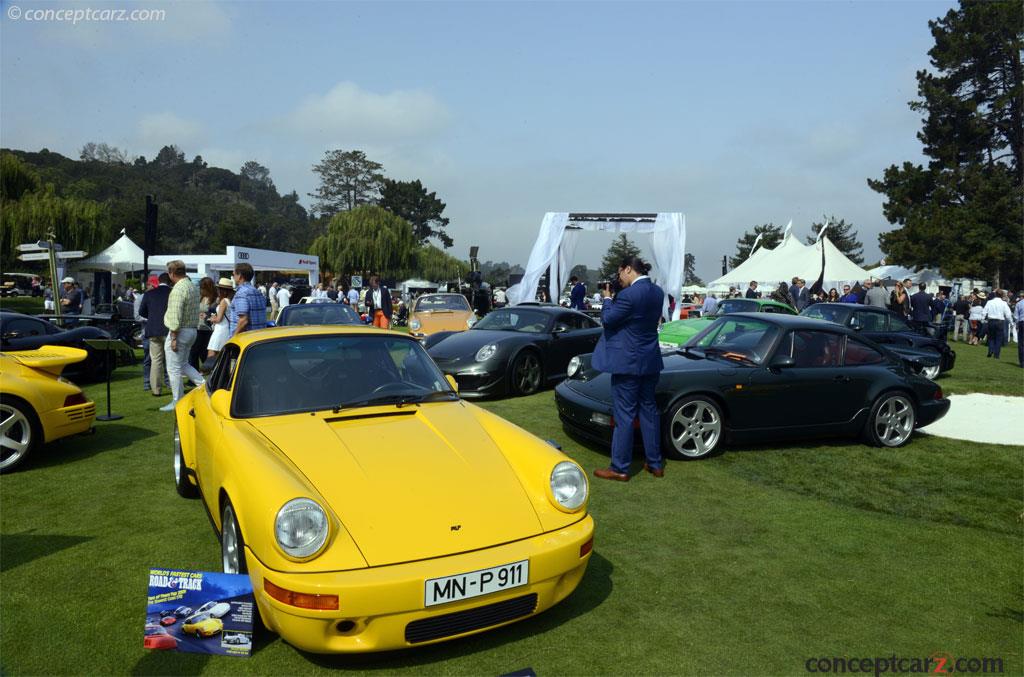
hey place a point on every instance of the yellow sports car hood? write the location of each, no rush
(408, 483)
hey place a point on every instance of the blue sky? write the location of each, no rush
(735, 113)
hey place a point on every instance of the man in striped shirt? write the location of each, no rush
(182, 321)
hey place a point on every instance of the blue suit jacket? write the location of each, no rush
(576, 296)
(629, 344)
(921, 303)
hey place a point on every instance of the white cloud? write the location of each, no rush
(157, 130)
(348, 115)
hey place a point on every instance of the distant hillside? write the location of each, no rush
(202, 209)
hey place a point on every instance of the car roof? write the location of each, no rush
(248, 338)
(789, 321)
(551, 309)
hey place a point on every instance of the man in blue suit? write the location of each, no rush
(578, 293)
(628, 350)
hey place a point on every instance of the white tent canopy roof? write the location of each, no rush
(559, 233)
(792, 259)
(121, 257)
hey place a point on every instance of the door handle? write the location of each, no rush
(192, 412)
(842, 379)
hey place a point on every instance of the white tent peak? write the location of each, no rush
(121, 257)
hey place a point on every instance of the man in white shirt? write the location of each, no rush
(710, 306)
(1018, 317)
(499, 298)
(284, 297)
(998, 313)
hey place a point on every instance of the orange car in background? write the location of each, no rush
(431, 313)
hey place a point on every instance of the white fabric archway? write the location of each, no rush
(559, 235)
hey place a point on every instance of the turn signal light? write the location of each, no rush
(587, 547)
(303, 600)
(938, 394)
(77, 398)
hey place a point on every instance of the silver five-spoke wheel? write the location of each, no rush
(695, 428)
(894, 420)
(232, 558)
(15, 435)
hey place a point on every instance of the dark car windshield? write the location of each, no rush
(745, 337)
(318, 313)
(155, 630)
(431, 302)
(312, 373)
(828, 313)
(514, 319)
(736, 306)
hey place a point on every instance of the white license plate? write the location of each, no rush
(476, 583)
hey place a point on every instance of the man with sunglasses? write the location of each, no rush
(849, 296)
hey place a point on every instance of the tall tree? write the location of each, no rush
(842, 235)
(620, 248)
(366, 239)
(770, 234)
(348, 179)
(963, 212)
(690, 271)
(411, 201)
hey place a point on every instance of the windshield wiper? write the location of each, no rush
(398, 400)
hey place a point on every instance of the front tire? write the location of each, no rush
(891, 422)
(181, 482)
(232, 545)
(19, 433)
(526, 373)
(695, 428)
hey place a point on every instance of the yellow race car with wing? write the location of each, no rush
(37, 405)
(371, 507)
(202, 625)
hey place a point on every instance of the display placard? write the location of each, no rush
(199, 612)
(356, 282)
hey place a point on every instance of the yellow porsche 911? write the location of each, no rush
(202, 625)
(37, 405)
(371, 507)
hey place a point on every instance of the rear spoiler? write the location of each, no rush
(51, 359)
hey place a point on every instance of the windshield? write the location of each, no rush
(155, 630)
(318, 313)
(198, 618)
(829, 313)
(433, 302)
(324, 372)
(736, 306)
(748, 338)
(514, 319)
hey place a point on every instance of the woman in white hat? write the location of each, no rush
(219, 320)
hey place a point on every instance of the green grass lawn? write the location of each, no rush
(747, 563)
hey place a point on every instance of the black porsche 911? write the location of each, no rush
(889, 329)
(24, 332)
(751, 377)
(514, 350)
(317, 313)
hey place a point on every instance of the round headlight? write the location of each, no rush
(486, 353)
(574, 366)
(414, 324)
(301, 527)
(569, 485)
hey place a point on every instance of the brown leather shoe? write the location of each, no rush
(657, 472)
(609, 474)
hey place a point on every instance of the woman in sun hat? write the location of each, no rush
(219, 318)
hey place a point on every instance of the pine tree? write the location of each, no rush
(690, 271)
(770, 234)
(620, 249)
(842, 235)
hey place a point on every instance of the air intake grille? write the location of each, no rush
(459, 622)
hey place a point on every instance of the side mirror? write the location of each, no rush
(857, 327)
(220, 402)
(782, 361)
(452, 382)
(559, 329)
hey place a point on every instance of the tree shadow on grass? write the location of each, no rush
(27, 546)
(595, 587)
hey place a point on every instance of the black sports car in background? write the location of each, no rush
(750, 377)
(317, 313)
(889, 329)
(514, 350)
(24, 332)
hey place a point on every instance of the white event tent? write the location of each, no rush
(792, 259)
(123, 256)
(559, 234)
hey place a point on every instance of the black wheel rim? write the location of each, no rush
(527, 374)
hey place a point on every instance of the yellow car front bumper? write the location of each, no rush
(377, 605)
